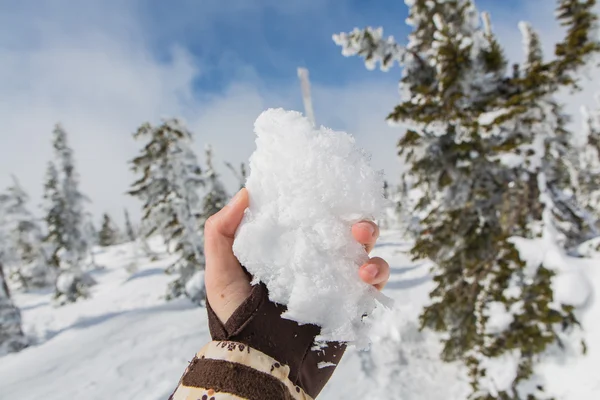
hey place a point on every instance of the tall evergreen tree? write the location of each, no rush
(53, 206)
(586, 159)
(12, 338)
(67, 221)
(169, 180)
(485, 149)
(130, 234)
(28, 259)
(532, 139)
(216, 196)
(109, 234)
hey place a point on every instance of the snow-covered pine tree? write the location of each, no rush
(130, 234)
(216, 196)
(12, 338)
(67, 221)
(168, 184)
(52, 206)
(92, 238)
(11, 335)
(109, 234)
(533, 140)
(586, 157)
(483, 147)
(28, 263)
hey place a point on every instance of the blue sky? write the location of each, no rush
(274, 40)
(104, 67)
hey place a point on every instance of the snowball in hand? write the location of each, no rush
(307, 188)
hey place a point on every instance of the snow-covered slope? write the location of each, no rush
(126, 342)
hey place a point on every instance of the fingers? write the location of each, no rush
(219, 233)
(375, 272)
(366, 233)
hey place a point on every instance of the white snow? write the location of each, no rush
(325, 364)
(488, 118)
(307, 187)
(500, 372)
(372, 46)
(499, 317)
(65, 281)
(591, 248)
(126, 342)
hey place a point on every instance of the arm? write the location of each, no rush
(256, 354)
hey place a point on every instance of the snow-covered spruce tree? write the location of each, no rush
(586, 158)
(12, 338)
(66, 219)
(53, 206)
(485, 151)
(130, 234)
(216, 196)
(11, 335)
(168, 183)
(532, 138)
(28, 263)
(109, 234)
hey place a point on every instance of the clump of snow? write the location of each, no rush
(499, 318)
(307, 187)
(65, 281)
(325, 364)
(372, 45)
(590, 248)
(489, 118)
(72, 284)
(500, 372)
(569, 285)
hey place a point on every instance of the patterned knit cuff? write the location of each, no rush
(232, 370)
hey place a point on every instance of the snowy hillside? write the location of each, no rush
(126, 342)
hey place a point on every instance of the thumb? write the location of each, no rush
(223, 224)
(223, 271)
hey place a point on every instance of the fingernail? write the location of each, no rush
(371, 270)
(371, 229)
(235, 199)
(368, 227)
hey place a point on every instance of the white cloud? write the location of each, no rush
(101, 86)
(101, 81)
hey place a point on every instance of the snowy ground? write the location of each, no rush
(126, 342)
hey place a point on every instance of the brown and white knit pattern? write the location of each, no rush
(225, 370)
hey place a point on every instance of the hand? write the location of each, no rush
(227, 285)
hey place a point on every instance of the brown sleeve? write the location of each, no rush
(226, 370)
(257, 323)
